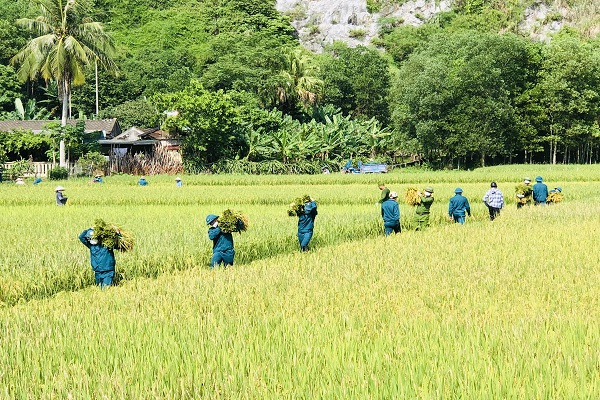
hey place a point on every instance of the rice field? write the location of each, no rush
(488, 310)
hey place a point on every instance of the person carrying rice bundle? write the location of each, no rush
(423, 206)
(555, 195)
(523, 192)
(102, 240)
(305, 209)
(223, 252)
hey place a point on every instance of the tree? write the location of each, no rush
(356, 80)
(568, 93)
(67, 43)
(209, 123)
(299, 83)
(458, 96)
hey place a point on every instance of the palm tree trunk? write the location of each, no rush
(65, 114)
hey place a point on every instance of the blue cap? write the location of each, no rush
(458, 190)
(210, 218)
(538, 178)
(558, 189)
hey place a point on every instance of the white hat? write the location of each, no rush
(178, 179)
(393, 195)
(59, 189)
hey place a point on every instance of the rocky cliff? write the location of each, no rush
(320, 22)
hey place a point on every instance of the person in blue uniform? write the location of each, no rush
(178, 182)
(306, 224)
(223, 252)
(97, 179)
(390, 212)
(102, 258)
(459, 207)
(540, 192)
(143, 181)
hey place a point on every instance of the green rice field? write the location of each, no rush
(507, 309)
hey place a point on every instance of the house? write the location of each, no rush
(108, 127)
(135, 140)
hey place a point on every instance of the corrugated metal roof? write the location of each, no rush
(101, 125)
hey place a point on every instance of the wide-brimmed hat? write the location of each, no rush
(558, 189)
(428, 189)
(59, 189)
(458, 190)
(527, 179)
(538, 178)
(178, 179)
(393, 195)
(210, 218)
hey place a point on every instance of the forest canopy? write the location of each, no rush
(461, 90)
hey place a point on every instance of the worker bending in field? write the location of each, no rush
(61, 199)
(459, 207)
(390, 212)
(306, 224)
(494, 200)
(422, 211)
(102, 258)
(223, 252)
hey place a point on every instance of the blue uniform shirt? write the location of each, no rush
(459, 206)
(540, 192)
(222, 241)
(390, 211)
(306, 221)
(101, 258)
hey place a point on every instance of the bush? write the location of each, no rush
(58, 173)
(92, 163)
(19, 168)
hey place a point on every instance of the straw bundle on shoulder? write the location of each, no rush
(554, 197)
(523, 193)
(112, 236)
(412, 197)
(233, 221)
(297, 206)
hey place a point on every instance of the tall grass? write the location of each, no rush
(488, 310)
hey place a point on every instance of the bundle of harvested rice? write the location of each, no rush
(412, 197)
(523, 193)
(112, 236)
(554, 197)
(233, 221)
(297, 206)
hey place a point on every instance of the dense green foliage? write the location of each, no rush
(463, 89)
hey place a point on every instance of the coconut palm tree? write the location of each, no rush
(67, 43)
(299, 79)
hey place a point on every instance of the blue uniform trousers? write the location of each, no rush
(222, 257)
(104, 278)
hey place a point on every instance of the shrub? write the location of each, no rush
(19, 168)
(357, 34)
(58, 173)
(92, 162)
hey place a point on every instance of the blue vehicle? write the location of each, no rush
(367, 168)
